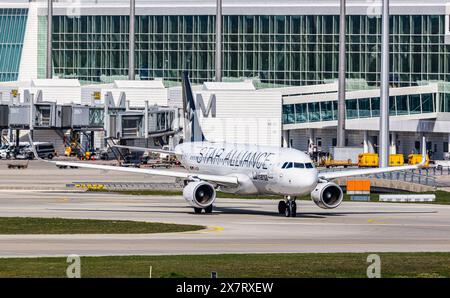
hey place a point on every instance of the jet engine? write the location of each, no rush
(199, 194)
(327, 195)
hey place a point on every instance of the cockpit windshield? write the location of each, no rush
(297, 165)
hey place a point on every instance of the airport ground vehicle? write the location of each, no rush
(414, 159)
(330, 163)
(367, 160)
(18, 165)
(4, 152)
(44, 150)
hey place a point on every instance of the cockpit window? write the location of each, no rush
(298, 165)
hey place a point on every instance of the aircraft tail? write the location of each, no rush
(192, 130)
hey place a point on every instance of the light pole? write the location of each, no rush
(384, 88)
(219, 41)
(48, 73)
(131, 40)
(342, 71)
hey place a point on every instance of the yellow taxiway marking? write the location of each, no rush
(377, 220)
(215, 229)
(63, 200)
(209, 229)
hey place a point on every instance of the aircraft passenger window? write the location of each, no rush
(309, 165)
(299, 165)
(289, 166)
(284, 165)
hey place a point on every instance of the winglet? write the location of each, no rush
(424, 153)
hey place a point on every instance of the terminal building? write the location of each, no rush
(280, 66)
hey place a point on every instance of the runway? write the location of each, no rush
(236, 226)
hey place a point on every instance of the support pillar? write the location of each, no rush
(49, 72)
(384, 100)
(219, 41)
(146, 129)
(342, 71)
(106, 121)
(393, 146)
(91, 142)
(286, 143)
(17, 139)
(366, 142)
(448, 140)
(131, 40)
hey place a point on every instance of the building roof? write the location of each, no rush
(55, 83)
(152, 84)
(238, 7)
(229, 86)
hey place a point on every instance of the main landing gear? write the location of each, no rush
(288, 207)
(208, 209)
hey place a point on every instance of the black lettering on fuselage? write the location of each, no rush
(233, 158)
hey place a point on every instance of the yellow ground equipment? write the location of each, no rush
(414, 159)
(366, 160)
(396, 160)
(330, 163)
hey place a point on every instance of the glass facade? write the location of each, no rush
(12, 32)
(364, 108)
(288, 50)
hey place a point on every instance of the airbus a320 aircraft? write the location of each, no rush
(244, 169)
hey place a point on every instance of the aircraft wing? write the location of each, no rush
(145, 149)
(219, 179)
(360, 172)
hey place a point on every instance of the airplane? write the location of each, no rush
(243, 169)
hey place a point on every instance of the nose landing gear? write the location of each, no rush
(288, 207)
(208, 209)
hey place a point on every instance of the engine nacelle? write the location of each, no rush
(199, 194)
(327, 195)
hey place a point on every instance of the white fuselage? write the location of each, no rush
(259, 169)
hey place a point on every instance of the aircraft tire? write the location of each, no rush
(293, 209)
(198, 210)
(209, 209)
(281, 207)
(287, 211)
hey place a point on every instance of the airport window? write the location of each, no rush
(261, 46)
(392, 109)
(326, 111)
(445, 102)
(364, 107)
(301, 114)
(288, 114)
(414, 104)
(351, 107)
(427, 103)
(335, 110)
(402, 104)
(313, 111)
(375, 106)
